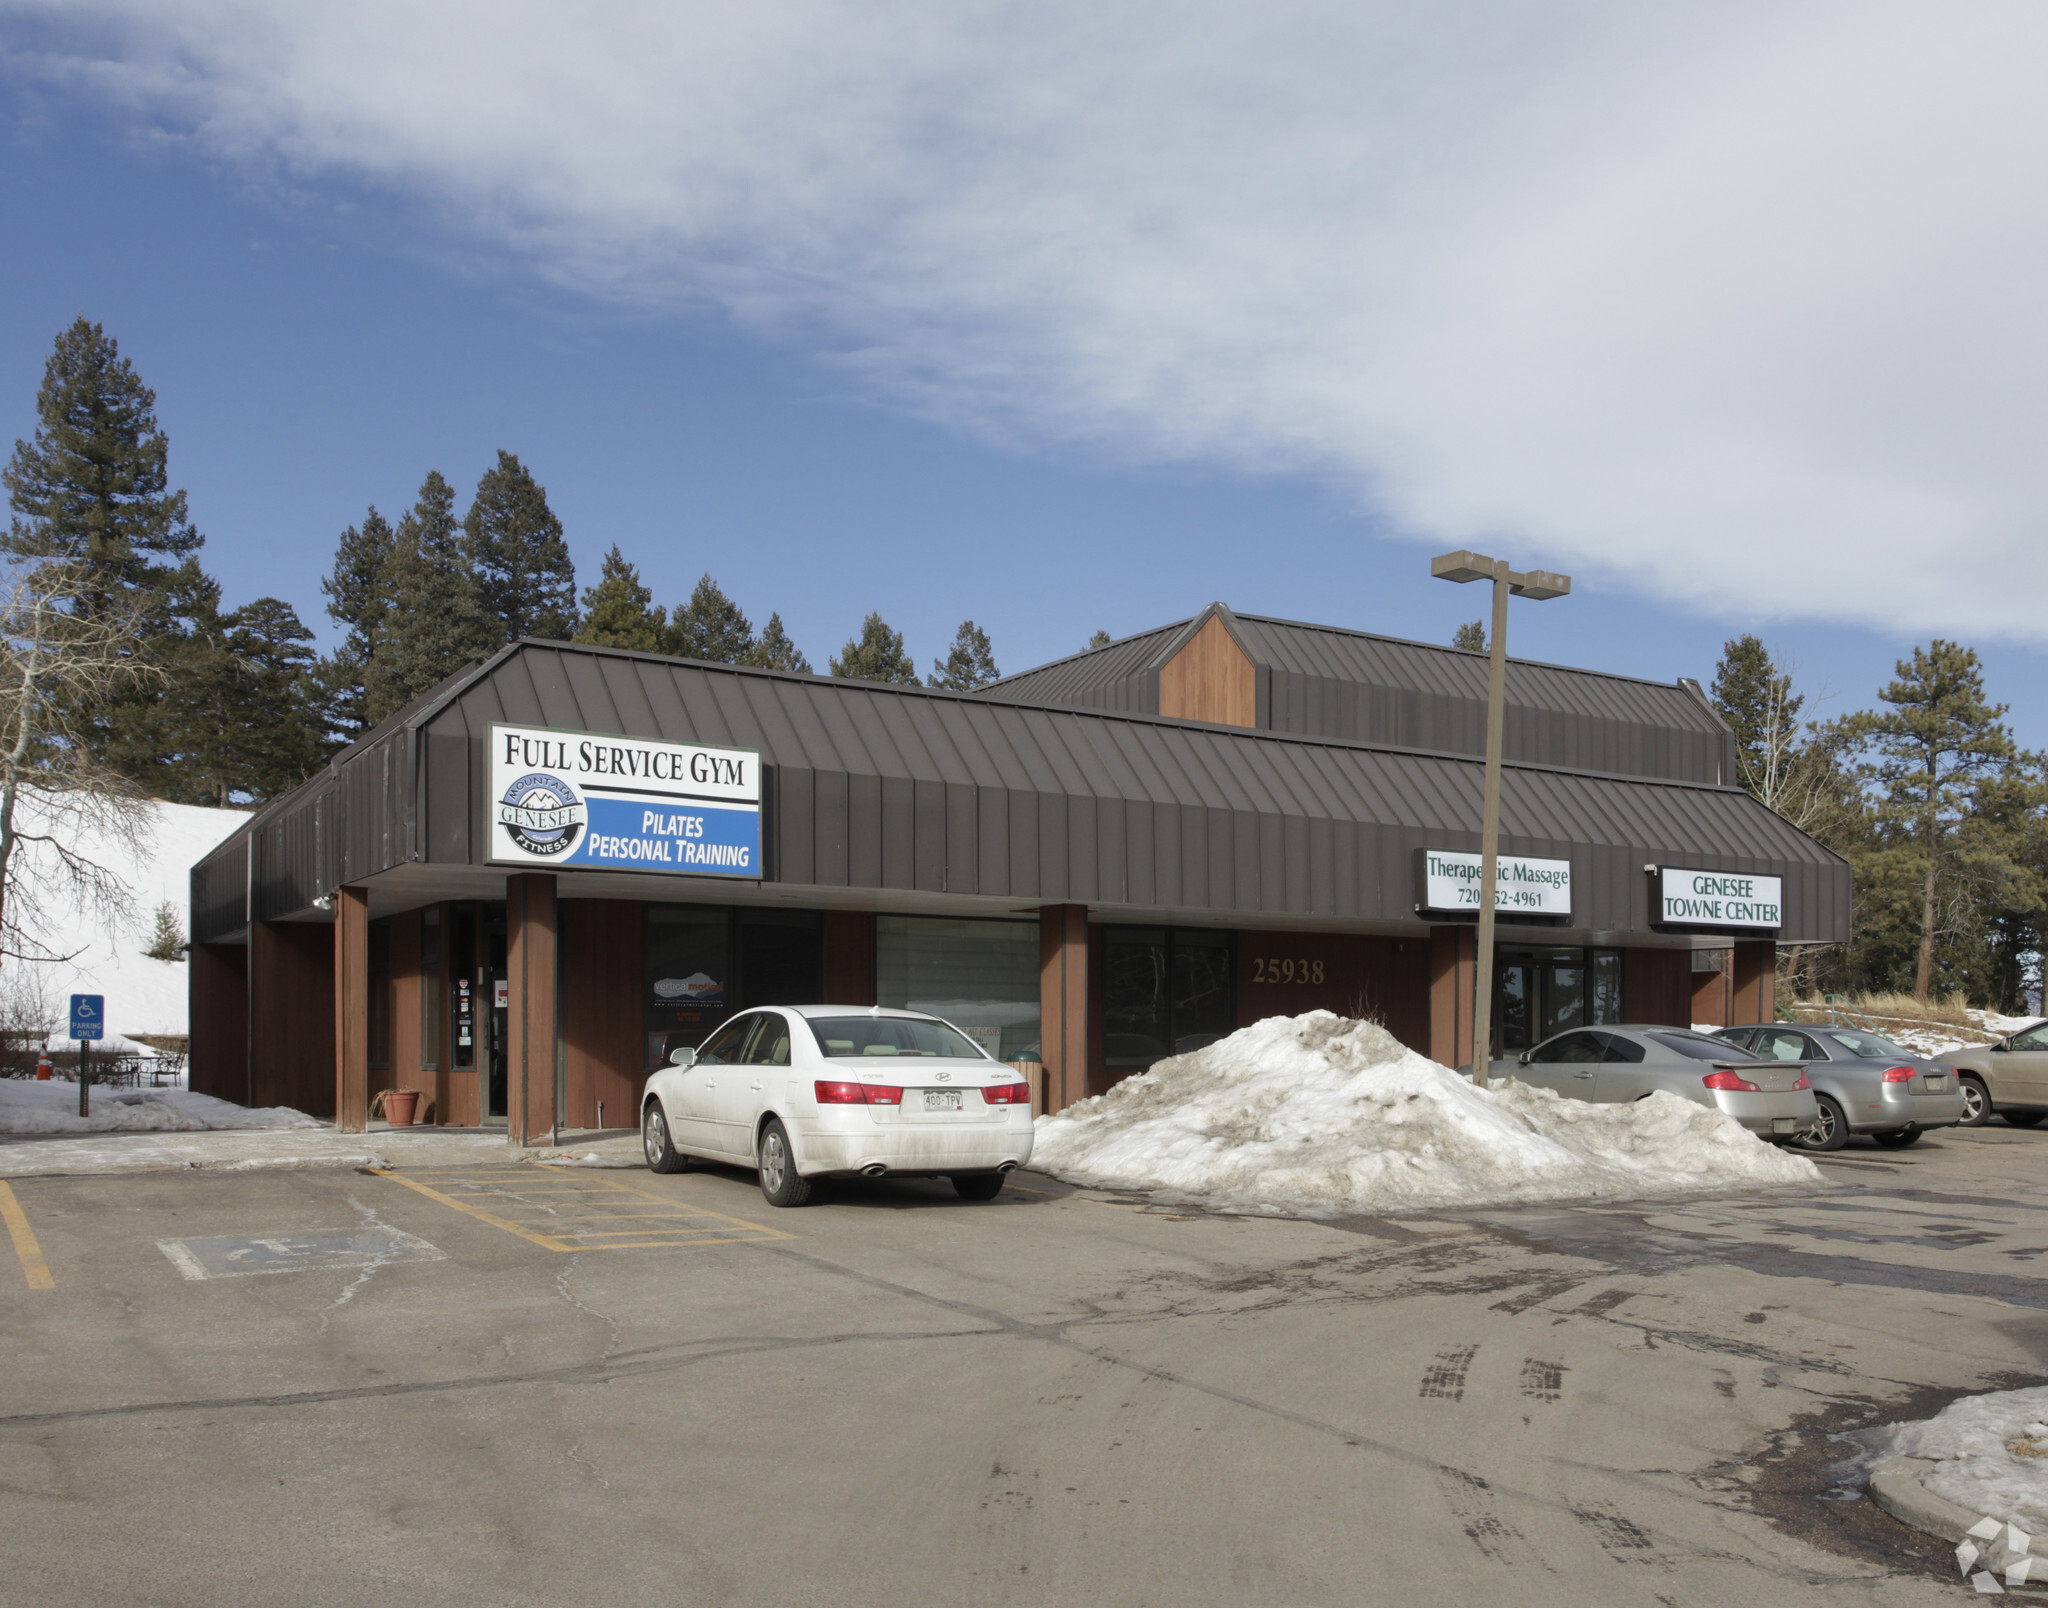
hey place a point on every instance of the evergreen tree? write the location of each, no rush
(92, 488)
(876, 655)
(1470, 637)
(1101, 639)
(710, 626)
(278, 739)
(524, 577)
(970, 665)
(775, 651)
(434, 622)
(1938, 741)
(616, 612)
(357, 599)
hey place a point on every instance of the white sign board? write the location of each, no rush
(1722, 899)
(1520, 886)
(574, 798)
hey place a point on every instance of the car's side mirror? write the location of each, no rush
(683, 1057)
(1522, 1059)
(2001, 1044)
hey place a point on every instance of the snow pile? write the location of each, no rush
(1320, 1116)
(28, 1106)
(1990, 1454)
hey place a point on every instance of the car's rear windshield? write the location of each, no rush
(891, 1035)
(1700, 1047)
(1868, 1045)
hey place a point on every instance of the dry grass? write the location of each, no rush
(1893, 1009)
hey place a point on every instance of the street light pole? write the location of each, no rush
(1539, 584)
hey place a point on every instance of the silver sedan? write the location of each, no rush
(1864, 1082)
(1614, 1065)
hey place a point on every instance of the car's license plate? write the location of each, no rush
(944, 1100)
(1784, 1125)
(1937, 1084)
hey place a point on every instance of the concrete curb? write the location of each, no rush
(1895, 1486)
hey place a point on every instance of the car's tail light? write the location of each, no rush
(857, 1093)
(1898, 1074)
(1728, 1080)
(1008, 1094)
(1804, 1082)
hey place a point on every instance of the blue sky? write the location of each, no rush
(320, 334)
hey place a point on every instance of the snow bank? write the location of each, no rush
(1990, 1454)
(27, 1106)
(1320, 1116)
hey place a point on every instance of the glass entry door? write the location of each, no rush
(1536, 993)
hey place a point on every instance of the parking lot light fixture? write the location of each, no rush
(1541, 585)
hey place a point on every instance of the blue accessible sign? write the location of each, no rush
(88, 1016)
(570, 798)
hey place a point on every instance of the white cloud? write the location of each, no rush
(1741, 301)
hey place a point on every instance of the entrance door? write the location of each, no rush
(1537, 993)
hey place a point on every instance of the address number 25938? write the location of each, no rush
(1265, 970)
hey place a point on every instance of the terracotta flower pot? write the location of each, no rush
(400, 1105)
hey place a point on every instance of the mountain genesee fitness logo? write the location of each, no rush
(543, 814)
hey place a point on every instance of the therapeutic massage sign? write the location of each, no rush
(1722, 899)
(574, 798)
(1450, 881)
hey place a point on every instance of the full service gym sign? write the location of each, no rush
(1722, 899)
(1450, 881)
(573, 798)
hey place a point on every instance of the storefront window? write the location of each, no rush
(982, 976)
(1606, 999)
(686, 952)
(1165, 991)
(1541, 992)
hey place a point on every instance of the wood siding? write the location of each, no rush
(530, 1016)
(1063, 978)
(219, 1004)
(351, 1000)
(1210, 679)
(1657, 987)
(849, 940)
(601, 1020)
(1453, 966)
(292, 1006)
(1381, 979)
(1753, 986)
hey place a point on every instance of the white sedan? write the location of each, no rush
(816, 1091)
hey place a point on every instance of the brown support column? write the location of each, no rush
(218, 1062)
(1063, 1002)
(1710, 998)
(530, 1022)
(1452, 961)
(1755, 982)
(352, 1009)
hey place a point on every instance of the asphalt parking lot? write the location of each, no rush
(508, 1385)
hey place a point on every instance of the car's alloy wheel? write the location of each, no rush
(1976, 1104)
(1830, 1132)
(781, 1183)
(662, 1156)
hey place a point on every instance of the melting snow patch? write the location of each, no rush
(29, 1106)
(1321, 1116)
(1990, 1455)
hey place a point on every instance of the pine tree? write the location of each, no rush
(970, 665)
(434, 622)
(775, 651)
(876, 655)
(356, 598)
(710, 626)
(1470, 637)
(279, 739)
(92, 488)
(1101, 639)
(524, 576)
(616, 612)
(1936, 743)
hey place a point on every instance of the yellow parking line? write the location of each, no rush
(689, 1222)
(33, 1267)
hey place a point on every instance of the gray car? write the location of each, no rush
(1863, 1082)
(1614, 1065)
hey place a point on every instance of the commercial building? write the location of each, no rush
(519, 894)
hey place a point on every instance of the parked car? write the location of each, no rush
(1612, 1065)
(2009, 1078)
(810, 1091)
(1862, 1081)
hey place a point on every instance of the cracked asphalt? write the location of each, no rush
(1061, 1397)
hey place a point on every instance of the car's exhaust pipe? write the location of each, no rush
(1008, 1166)
(873, 1169)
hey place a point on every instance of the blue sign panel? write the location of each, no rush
(564, 798)
(88, 1016)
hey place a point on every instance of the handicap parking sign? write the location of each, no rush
(88, 1016)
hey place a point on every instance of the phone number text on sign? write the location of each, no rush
(1450, 881)
(565, 798)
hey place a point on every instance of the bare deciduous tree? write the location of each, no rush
(58, 665)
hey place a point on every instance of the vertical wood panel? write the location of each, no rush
(291, 965)
(1063, 1002)
(1657, 986)
(1210, 679)
(1451, 964)
(352, 1009)
(1753, 987)
(849, 938)
(603, 1045)
(407, 1068)
(530, 1020)
(218, 1061)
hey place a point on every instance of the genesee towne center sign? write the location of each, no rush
(1721, 899)
(570, 798)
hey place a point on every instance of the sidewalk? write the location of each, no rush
(232, 1150)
